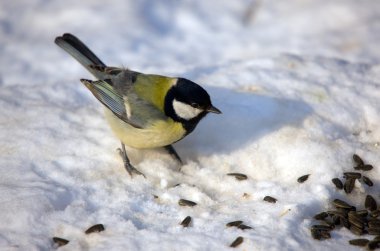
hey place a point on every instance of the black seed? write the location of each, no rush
(357, 160)
(349, 185)
(375, 213)
(356, 230)
(345, 223)
(321, 227)
(239, 240)
(356, 221)
(372, 245)
(303, 178)
(370, 203)
(243, 227)
(189, 203)
(374, 230)
(234, 223)
(367, 181)
(374, 223)
(359, 242)
(336, 220)
(321, 216)
(238, 176)
(95, 228)
(270, 199)
(60, 241)
(366, 167)
(316, 234)
(325, 235)
(341, 204)
(362, 213)
(338, 184)
(186, 222)
(353, 175)
(337, 213)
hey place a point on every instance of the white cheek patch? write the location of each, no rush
(185, 111)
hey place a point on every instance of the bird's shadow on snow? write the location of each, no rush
(245, 117)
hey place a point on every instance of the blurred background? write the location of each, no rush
(181, 37)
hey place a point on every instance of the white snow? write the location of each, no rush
(297, 82)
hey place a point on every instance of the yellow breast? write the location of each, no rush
(161, 133)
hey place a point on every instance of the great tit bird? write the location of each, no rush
(143, 110)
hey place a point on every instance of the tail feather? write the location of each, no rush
(80, 52)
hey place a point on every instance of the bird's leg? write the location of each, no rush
(170, 149)
(127, 164)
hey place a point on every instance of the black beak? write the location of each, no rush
(213, 110)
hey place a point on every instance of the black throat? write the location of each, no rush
(188, 125)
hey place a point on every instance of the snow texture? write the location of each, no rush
(297, 82)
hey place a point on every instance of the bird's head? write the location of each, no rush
(188, 103)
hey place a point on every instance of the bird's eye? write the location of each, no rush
(195, 105)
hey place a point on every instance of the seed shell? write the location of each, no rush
(234, 223)
(356, 230)
(239, 240)
(95, 228)
(349, 185)
(374, 230)
(60, 241)
(338, 183)
(370, 203)
(303, 178)
(189, 203)
(359, 242)
(372, 245)
(321, 216)
(354, 175)
(341, 204)
(358, 160)
(367, 181)
(270, 199)
(366, 167)
(238, 176)
(186, 222)
(243, 227)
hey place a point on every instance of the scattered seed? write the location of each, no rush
(337, 213)
(321, 227)
(358, 160)
(375, 223)
(341, 204)
(321, 216)
(338, 184)
(362, 213)
(366, 167)
(367, 181)
(349, 185)
(370, 203)
(60, 241)
(316, 234)
(359, 242)
(234, 223)
(355, 230)
(238, 176)
(186, 222)
(356, 221)
(375, 213)
(353, 175)
(374, 230)
(373, 245)
(303, 178)
(95, 228)
(243, 227)
(189, 203)
(270, 199)
(239, 240)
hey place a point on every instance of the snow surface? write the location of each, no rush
(298, 84)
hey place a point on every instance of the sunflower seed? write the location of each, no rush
(341, 204)
(239, 240)
(356, 221)
(366, 167)
(355, 230)
(320, 234)
(375, 223)
(374, 230)
(367, 181)
(238, 176)
(345, 223)
(362, 213)
(337, 213)
(60, 241)
(189, 203)
(186, 222)
(270, 199)
(243, 227)
(303, 178)
(321, 227)
(372, 245)
(375, 213)
(321, 216)
(234, 223)
(95, 228)
(370, 203)
(349, 185)
(353, 175)
(359, 242)
(357, 159)
(338, 184)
